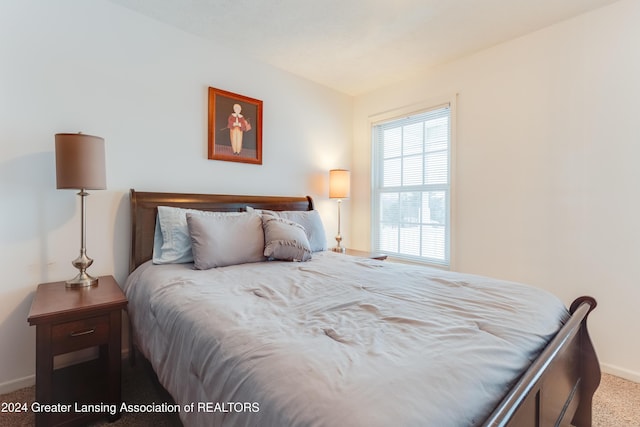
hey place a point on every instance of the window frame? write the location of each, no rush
(399, 114)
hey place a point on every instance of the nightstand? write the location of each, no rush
(366, 254)
(68, 320)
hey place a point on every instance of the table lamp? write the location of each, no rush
(339, 186)
(80, 165)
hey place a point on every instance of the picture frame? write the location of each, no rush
(235, 127)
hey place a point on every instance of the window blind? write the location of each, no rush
(411, 186)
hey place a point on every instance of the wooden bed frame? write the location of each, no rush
(556, 390)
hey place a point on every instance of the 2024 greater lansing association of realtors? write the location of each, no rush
(112, 409)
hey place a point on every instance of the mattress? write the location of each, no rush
(337, 340)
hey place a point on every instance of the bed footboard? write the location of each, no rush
(557, 389)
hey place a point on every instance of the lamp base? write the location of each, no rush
(82, 280)
(337, 247)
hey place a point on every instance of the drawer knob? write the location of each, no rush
(80, 333)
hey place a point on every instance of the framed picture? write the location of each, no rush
(235, 127)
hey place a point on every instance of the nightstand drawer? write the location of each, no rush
(72, 336)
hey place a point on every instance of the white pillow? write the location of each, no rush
(285, 240)
(310, 221)
(172, 244)
(225, 240)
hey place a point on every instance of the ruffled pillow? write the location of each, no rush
(285, 240)
(311, 222)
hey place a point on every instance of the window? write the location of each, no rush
(412, 186)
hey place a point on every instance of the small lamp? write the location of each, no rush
(80, 165)
(339, 186)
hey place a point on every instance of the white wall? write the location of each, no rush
(95, 67)
(547, 176)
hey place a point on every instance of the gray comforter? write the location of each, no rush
(336, 341)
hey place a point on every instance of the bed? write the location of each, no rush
(340, 340)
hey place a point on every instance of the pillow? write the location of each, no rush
(252, 210)
(172, 244)
(285, 240)
(222, 240)
(311, 222)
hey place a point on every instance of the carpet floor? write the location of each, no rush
(616, 402)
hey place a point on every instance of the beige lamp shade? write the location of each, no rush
(80, 161)
(339, 183)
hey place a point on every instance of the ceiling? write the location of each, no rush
(355, 46)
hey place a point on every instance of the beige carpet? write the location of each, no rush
(616, 404)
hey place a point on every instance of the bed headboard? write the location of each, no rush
(144, 209)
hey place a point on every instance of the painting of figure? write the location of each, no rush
(235, 127)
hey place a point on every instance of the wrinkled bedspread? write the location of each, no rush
(337, 341)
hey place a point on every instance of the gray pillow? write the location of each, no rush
(172, 243)
(285, 240)
(311, 222)
(218, 241)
